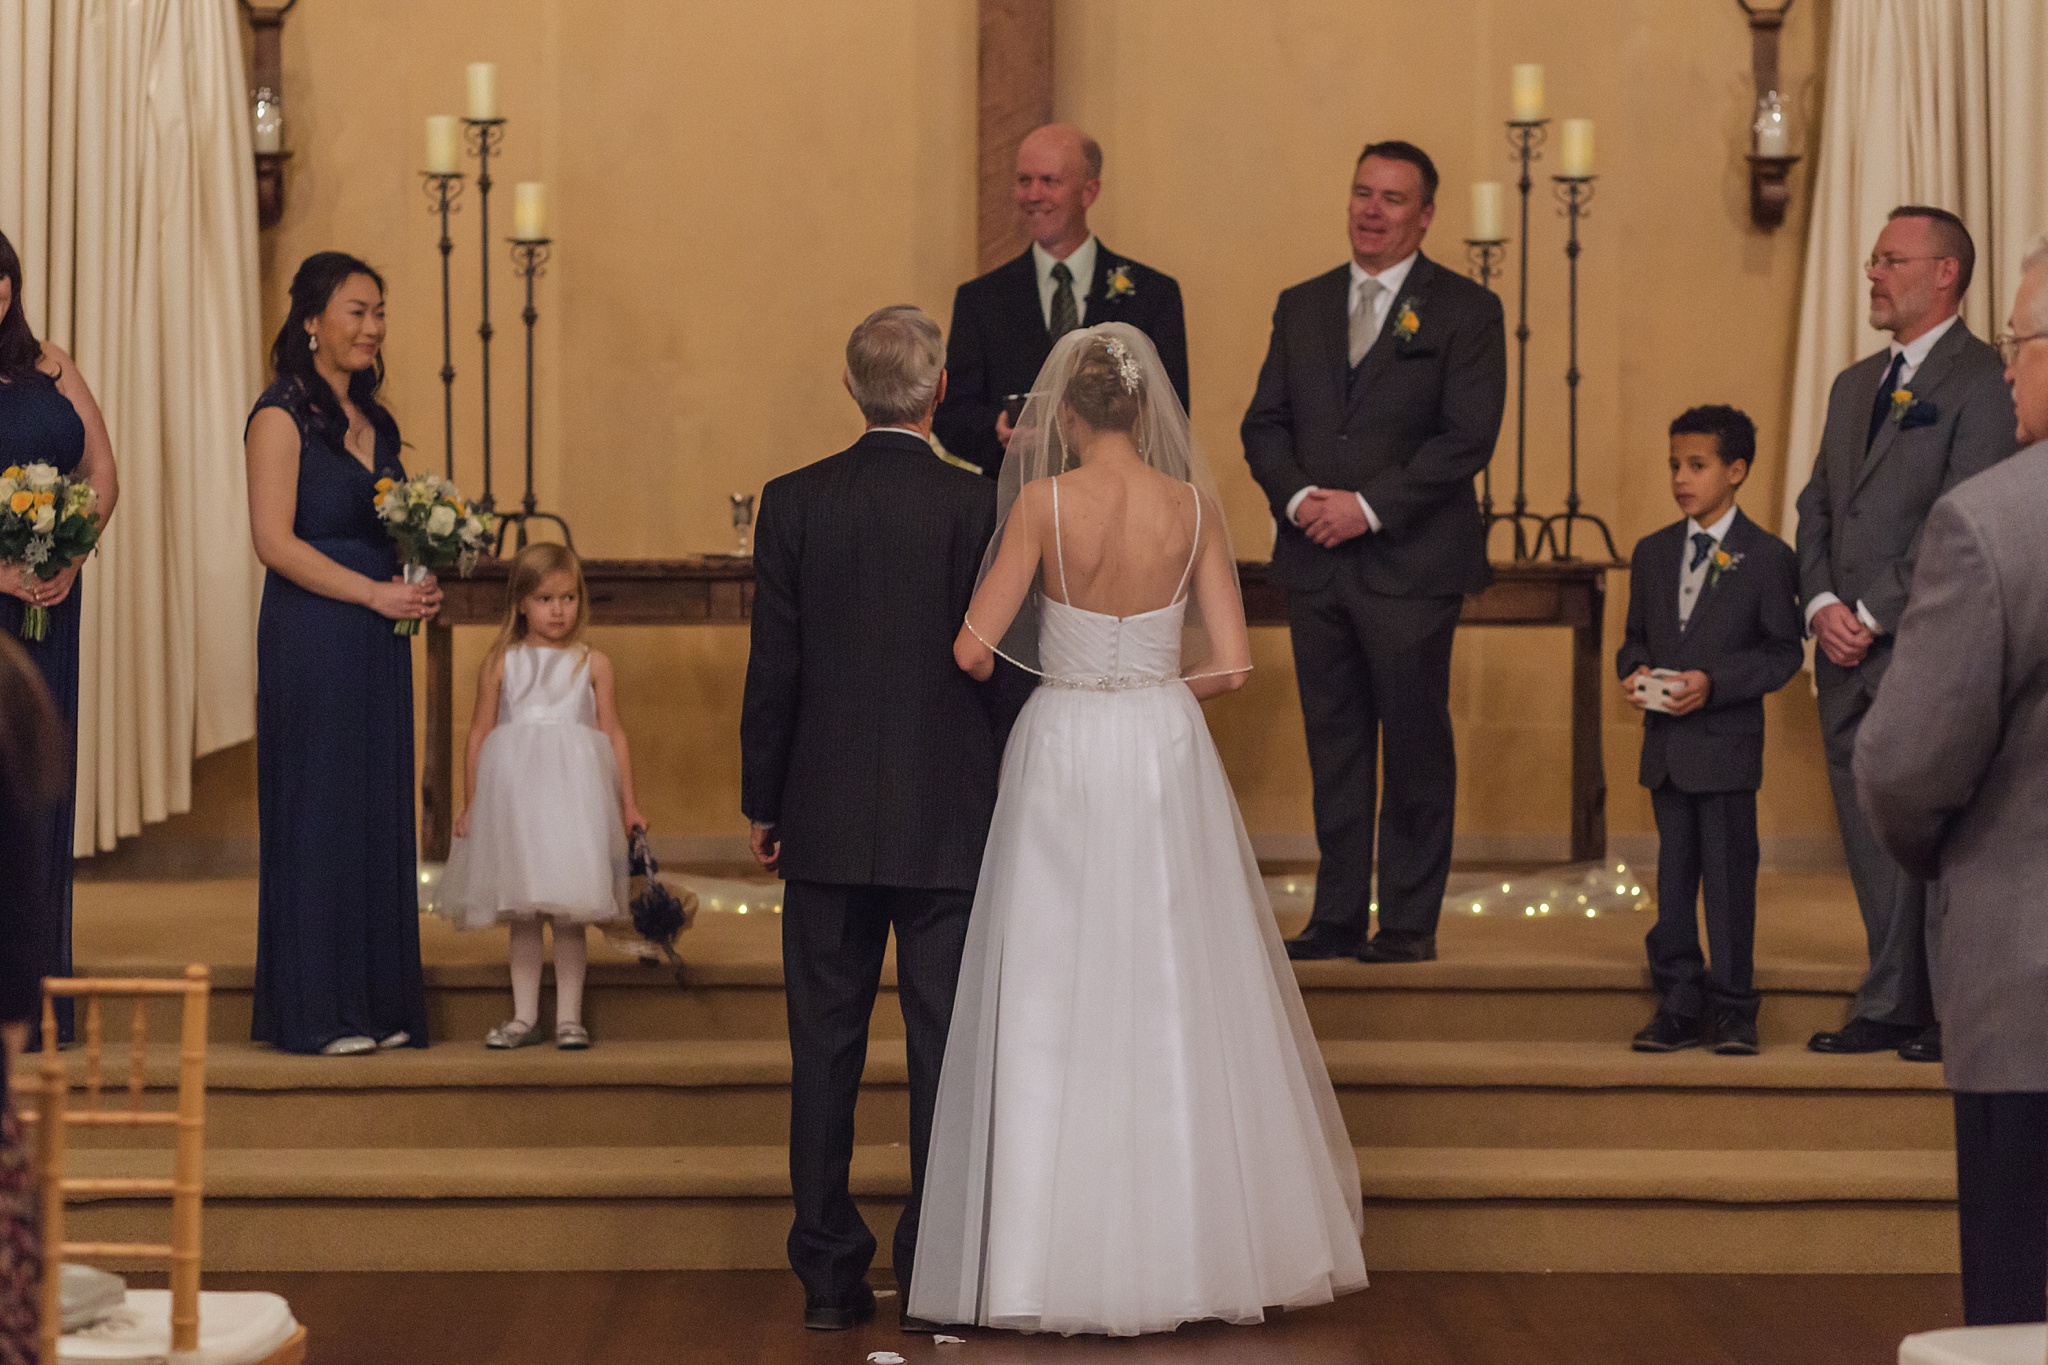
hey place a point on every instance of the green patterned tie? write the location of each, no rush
(1065, 316)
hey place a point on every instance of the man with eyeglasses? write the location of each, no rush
(1903, 427)
(1950, 771)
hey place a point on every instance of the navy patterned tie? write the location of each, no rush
(1065, 316)
(1702, 546)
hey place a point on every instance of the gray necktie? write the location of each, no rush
(1065, 316)
(1363, 333)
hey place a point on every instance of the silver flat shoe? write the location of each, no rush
(352, 1045)
(571, 1037)
(512, 1033)
(392, 1040)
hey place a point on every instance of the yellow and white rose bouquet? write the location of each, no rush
(435, 528)
(47, 524)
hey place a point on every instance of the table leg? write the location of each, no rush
(1589, 769)
(437, 773)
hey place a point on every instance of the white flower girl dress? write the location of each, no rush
(545, 833)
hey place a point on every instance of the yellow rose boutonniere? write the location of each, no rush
(1407, 322)
(1902, 403)
(1722, 562)
(1120, 283)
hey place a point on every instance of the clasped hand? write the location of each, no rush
(1841, 636)
(1331, 516)
(17, 581)
(1688, 691)
(399, 600)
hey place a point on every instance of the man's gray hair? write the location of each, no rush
(1091, 154)
(2037, 259)
(893, 363)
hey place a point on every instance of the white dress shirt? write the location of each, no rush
(1692, 581)
(1081, 261)
(1915, 353)
(1390, 281)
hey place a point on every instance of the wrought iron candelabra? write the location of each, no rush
(442, 192)
(529, 262)
(484, 136)
(1574, 193)
(1484, 256)
(1525, 138)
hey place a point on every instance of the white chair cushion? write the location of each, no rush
(2022, 1344)
(234, 1329)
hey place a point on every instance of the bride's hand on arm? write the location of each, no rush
(1221, 604)
(1003, 591)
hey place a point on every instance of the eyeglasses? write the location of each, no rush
(1885, 265)
(2009, 344)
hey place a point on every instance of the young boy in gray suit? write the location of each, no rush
(1713, 626)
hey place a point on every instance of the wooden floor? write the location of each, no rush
(685, 1318)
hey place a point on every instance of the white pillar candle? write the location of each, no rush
(267, 127)
(444, 144)
(483, 90)
(1486, 214)
(1575, 148)
(1773, 139)
(1527, 92)
(529, 211)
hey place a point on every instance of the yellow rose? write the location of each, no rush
(21, 501)
(44, 499)
(12, 471)
(1409, 322)
(384, 485)
(1721, 559)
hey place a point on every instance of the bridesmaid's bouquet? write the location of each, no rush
(46, 526)
(434, 527)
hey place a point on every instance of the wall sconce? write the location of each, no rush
(266, 109)
(1770, 150)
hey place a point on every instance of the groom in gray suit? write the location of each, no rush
(1949, 765)
(1903, 427)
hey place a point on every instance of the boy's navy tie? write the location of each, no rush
(1702, 546)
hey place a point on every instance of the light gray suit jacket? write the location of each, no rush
(1860, 514)
(1952, 769)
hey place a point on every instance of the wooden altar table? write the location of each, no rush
(719, 590)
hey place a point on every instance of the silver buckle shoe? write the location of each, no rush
(512, 1033)
(349, 1045)
(571, 1037)
(392, 1040)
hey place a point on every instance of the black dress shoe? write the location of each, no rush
(1734, 1032)
(1925, 1048)
(1387, 949)
(836, 1315)
(1863, 1035)
(1667, 1032)
(1318, 942)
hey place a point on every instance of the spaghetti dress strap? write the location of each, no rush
(1058, 551)
(1193, 554)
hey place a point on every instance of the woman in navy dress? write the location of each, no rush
(47, 415)
(337, 921)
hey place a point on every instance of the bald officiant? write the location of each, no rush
(1005, 322)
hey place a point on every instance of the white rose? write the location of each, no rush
(46, 517)
(472, 529)
(8, 488)
(41, 477)
(395, 509)
(441, 521)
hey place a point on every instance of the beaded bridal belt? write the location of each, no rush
(1106, 684)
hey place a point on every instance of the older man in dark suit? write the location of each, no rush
(1378, 404)
(1903, 427)
(1005, 322)
(1949, 767)
(868, 769)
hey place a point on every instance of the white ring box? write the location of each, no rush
(1656, 688)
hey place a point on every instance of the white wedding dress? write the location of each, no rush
(1134, 1127)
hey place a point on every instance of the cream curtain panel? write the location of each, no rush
(1928, 102)
(127, 185)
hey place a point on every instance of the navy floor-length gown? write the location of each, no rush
(337, 926)
(38, 425)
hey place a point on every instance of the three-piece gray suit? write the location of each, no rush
(1860, 518)
(1952, 766)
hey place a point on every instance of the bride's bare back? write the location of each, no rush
(1117, 537)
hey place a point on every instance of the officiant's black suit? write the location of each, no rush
(876, 757)
(998, 342)
(1372, 619)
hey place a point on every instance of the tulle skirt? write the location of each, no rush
(545, 835)
(1134, 1127)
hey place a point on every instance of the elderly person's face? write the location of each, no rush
(1388, 213)
(1909, 277)
(1053, 188)
(2026, 356)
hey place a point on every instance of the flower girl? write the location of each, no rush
(550, 786)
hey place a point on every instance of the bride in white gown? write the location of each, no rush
(1134, 1127)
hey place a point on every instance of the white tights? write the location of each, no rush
(528, 950)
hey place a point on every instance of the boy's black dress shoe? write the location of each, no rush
(1667, 1032)
(1925, 1048)
(1320, 941)
(1734, 1032)
(1385, 948)
(1863, 1035)
(836, 1315)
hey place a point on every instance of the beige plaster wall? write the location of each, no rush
(732, 187)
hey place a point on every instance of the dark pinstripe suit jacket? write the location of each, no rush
(859, 736)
